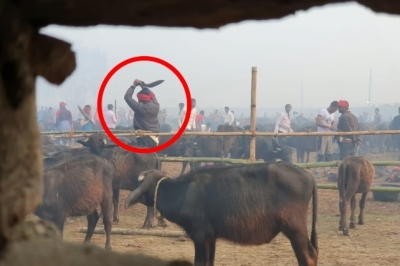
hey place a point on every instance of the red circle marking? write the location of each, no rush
(100, 103)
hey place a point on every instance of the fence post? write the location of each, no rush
(253, 113)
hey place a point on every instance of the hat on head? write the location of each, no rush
(343, 103)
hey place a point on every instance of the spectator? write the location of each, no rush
(199, 120)
(131, 116)
(229, 118)
(191, 126)
(325, 123)
(347, 123)
(395, 125)
(110, 118)
(216, 120)
(181, 105)
(47, 120)
(283, 123)
(87, 121)
(377, 117)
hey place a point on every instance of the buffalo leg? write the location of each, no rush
(59, 221)
(92, 221)
(343, 221)
(106, 209)
(305, 252)
(200, 253)
(115, 199)
(362, 206)
(211, 252)
(184, 164)
(353, 204)
(149, 220)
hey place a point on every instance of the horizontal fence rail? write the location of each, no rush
(125, 133)
(245, 161)
(373, 188)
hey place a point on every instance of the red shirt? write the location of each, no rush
(198, 119)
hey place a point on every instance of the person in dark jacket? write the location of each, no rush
(347, 123)
(395, 125)
(145, 113)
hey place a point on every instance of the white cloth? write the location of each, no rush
(229, 118)
(283, 123)
(327, 119)
(110, 119)
(192, 121)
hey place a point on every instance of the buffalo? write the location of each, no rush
(249, 205)
(355, 175)
(127, 166)
(76, 187)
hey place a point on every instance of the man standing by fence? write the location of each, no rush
(229, 117)
(110, 118)
(395, 125)
(347, 123)
(283, 123)
(191, 126)
(325, 123)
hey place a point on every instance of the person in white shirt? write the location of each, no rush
(229, 118)
(110, 118)
(191, 126)
(283, 123)
(326, 123)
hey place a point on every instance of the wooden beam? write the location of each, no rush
(253, 113)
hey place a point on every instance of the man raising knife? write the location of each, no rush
(145, 112)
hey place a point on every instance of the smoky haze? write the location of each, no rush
(331, 50)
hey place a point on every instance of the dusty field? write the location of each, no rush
(375, 243)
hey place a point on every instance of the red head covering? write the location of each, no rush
(145, 98)
(62, 104)
(343, 103)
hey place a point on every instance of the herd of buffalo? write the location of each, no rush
(246, 204)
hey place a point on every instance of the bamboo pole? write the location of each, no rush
(140, 232)
(253, 113)
(126, 133)
(376, 189)
(244, 161)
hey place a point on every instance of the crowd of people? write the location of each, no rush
(325, 121)
(145, 114)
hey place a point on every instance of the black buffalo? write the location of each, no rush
(249, 205)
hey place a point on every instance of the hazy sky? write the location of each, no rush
(331, 49)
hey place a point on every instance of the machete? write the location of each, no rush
(151, 85)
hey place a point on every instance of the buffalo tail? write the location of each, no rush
(314, 237)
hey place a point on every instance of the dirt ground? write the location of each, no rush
(375, 243)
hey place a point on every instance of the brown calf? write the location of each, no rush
(355, 175)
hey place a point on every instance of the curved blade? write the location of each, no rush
(153, 84)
